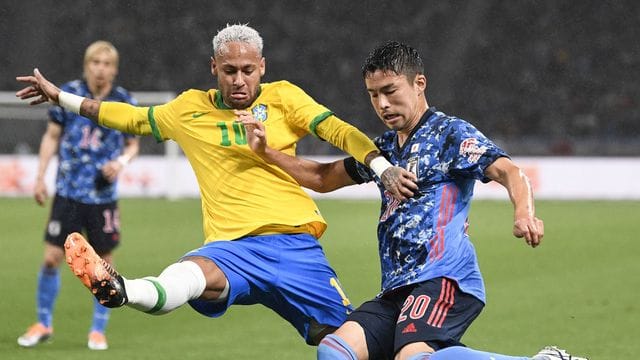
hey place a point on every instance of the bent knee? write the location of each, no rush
(414, 351)
(216, 280)
(318, 331)
(334, 347)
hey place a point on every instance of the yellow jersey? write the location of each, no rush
(240, 193)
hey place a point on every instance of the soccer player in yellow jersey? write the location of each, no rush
(274, 258)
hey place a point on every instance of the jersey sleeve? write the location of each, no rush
(469, 151)
(126, 97)
(158, 120)
(124, 117)
(302, 111)
(164, 119)
(57, 114)
(305, 113)
(346, 137)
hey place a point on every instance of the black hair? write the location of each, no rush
(395, 57)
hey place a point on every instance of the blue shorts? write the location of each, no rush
(287, 273)
(434, 311)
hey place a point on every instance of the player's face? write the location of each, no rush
(398, 101)
(238, 68)
(100, 70)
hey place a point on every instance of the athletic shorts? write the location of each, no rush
(100, 222)
(434, 311)
(287, 273)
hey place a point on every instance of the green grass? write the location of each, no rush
(578, 290)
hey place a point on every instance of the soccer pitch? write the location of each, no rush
(578, 290)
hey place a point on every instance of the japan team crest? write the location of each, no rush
(412, 165)
(260, 112)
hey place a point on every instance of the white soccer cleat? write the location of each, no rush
(555, 353)
(36, 334)
(97, 341)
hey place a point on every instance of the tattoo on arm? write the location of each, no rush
(90, 108)
(370, 156)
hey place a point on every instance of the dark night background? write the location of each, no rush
(539, 77)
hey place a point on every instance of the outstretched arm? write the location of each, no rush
(115, 115)
(323, 177)
(398, 181)
(525, 224)
(44, 91)
(319, 177)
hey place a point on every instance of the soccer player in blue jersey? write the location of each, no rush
(90, 157)
(432, 288)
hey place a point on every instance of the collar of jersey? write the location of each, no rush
(217, 99)
(425, 117)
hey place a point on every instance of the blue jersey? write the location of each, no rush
(85, 148)
(426, 236)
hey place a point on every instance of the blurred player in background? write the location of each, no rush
(275, 258)
(432, 288)
(90, 157)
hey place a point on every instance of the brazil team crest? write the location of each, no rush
(260, 112)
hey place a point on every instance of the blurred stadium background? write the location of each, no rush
(540, 77)
(552, 79)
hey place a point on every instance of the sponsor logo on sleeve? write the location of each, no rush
(470, 149)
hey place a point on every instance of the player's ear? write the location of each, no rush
(213, 66)
(262, 67)
(420, 82)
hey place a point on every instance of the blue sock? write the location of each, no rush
(46, 294)
(332, 347)
(463, 353)
(100, 316)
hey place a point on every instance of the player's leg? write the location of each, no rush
(46, 294)
(63, 218)
(434, 315)
(307, 291)
(367, 334)
(177, 284)
(287, 273)
(102, 223)
(464, 353)
(346, 343)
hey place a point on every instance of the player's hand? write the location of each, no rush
(255, 130)
(39, 88)
(530, 228)
(40, 192)
(399, 182)
(111, 169)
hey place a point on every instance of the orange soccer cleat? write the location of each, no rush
(97, 275)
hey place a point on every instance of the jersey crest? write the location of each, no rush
(260, 112)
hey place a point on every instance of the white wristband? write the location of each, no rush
(123, 160)
(70, 101)
(379, 164)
